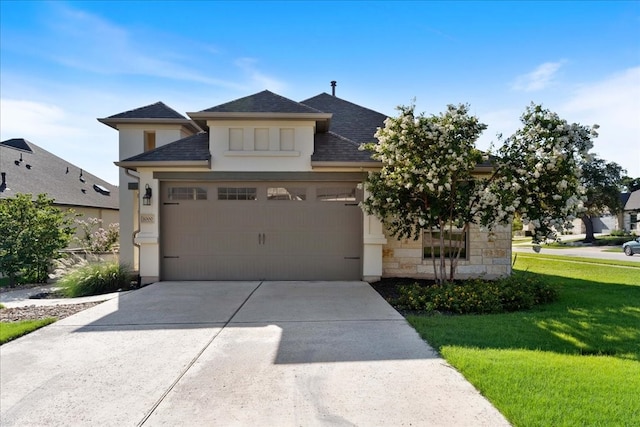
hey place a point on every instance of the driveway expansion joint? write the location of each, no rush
(195, 359)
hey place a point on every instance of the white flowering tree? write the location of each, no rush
(429, 180)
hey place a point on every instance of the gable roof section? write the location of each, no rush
(262, 102)
(192, 150)
(159, 110)
(633, 202)
(263, 105)
(349, 120)
(43, 172)
(153, 113)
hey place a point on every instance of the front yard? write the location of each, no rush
(572, 362)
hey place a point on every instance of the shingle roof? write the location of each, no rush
(20, 144)
(262, 102)
(43, 172)
(331, 147)
(159, 110)
(633, 203)
(349, 120)
(191, 148)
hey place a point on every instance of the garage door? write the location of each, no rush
(260, 231)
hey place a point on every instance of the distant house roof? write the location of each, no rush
(633, 202)
(19, 144)
(40, 172)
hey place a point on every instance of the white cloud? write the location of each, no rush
(614, 104)
(538, 79)
(39, 120)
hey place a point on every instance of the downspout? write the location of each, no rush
(127, 171)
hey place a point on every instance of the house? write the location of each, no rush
(27, 168)
(264, 187)
(629, 216)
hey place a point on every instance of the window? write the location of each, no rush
(287, 139)
(187, 193)
(633, 221)
(261, 139)
(280, 193)
(452, 241)
(237, 193)
(236, 139)
(336, 194)
(149, 140)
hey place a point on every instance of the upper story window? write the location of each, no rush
(149, 140)
(262, 141)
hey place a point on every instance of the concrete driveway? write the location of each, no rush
(235, 353)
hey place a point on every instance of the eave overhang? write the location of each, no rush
(204, 164)
(323, 120)
(114, 122)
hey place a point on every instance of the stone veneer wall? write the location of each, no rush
(487, 259)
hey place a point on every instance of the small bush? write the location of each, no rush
(517, 292)
(95, 279)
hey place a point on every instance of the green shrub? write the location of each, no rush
(520, 291)
(618, 233)
(96, 279)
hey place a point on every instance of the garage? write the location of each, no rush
(257, 230)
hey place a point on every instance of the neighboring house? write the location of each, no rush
(28, 169)
(264, 187)
(629, 217)
(625, 220)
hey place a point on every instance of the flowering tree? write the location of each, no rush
(95, 238)
(430, 181)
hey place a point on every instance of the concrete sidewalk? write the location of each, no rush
(236, 353)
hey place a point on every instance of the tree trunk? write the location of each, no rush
(588, 225)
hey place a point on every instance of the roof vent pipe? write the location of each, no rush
(333, 87)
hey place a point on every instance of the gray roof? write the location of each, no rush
(349, 120)
(159, 110)
(43, 172)
(19, 144)
(194, 147)
(262, 102)
(331, 147)
(633, 203)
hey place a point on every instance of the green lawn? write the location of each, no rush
(573, 362)
(12, 330)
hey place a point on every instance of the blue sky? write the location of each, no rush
(64, 64)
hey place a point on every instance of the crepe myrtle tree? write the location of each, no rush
(428, 180)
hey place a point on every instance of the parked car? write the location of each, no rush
(631, 247)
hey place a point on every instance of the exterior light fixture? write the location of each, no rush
(146, 199)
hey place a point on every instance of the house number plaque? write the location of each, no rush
(147, 219)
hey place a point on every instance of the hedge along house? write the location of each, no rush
(26, 168)
(264, 188)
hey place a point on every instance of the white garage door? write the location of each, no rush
(260, 231)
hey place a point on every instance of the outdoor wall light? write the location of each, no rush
(146, 199)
